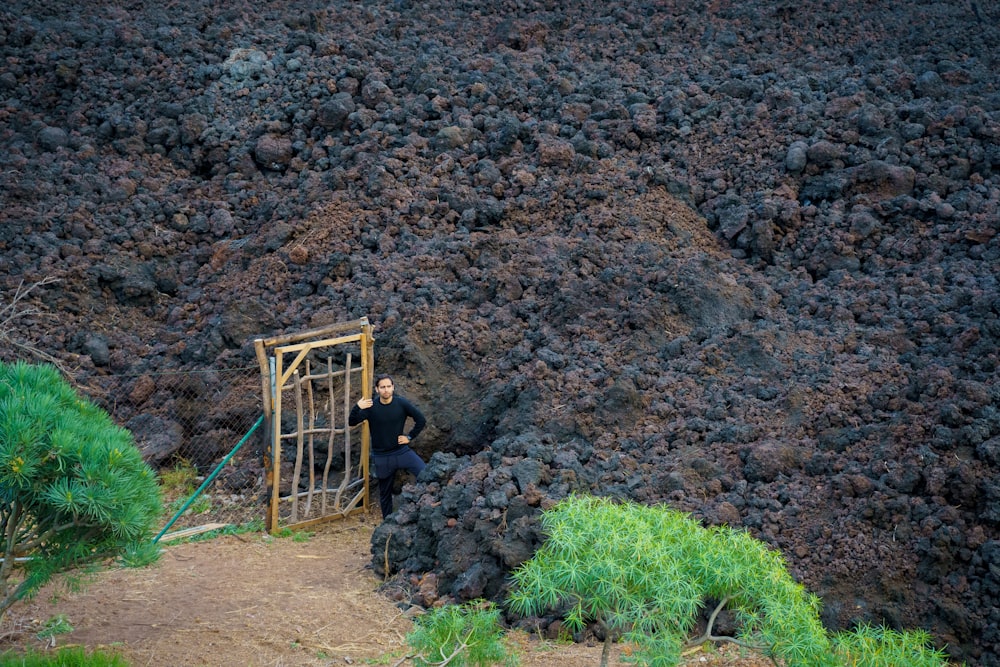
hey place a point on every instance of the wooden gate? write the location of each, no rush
(314, 470)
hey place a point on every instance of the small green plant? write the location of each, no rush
(296, 535)
(139, 554)
(868, 646)
(57, 625)
(73, 487)
(181, 479)
(459, 636)
(177, 483)
(201, 505)
(63, 657)
(392, 658)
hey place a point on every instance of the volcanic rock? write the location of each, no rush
(737, 258)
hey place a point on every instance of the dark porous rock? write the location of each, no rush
(470, 584)
(824, 153)
(142, 389)
(238, 480)
(710, 298)
(797, 156)
(132, 285)
(727, 514)
(96, 347)
(929, 84)
(765, 461)
(454, 137)
(873, 181)
(157, 438)
(242, 320)
(838, 439)
(273, 151)
(989, 451)
(205, 448)
(989, 510)
(51, 138)
(332, 114)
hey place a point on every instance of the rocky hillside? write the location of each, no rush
(740, 258)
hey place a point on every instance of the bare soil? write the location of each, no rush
(254, 600)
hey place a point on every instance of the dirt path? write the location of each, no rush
(254, 601)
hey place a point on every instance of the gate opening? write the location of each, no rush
(316, 466)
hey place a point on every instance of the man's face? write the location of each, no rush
(384, 389)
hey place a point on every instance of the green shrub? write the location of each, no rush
(459, 636)
(73, 487)
(645, 573)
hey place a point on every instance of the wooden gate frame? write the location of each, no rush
(301, 344)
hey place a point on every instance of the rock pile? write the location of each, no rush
(735, 257)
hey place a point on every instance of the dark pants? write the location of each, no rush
(386, 466)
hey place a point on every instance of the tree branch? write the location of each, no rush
(8, 600)
(709, 637)
(464, 644)
(9, 312)
(458, 649)
(404, 659)
(9, 543)
(12, 312)
(25, 547)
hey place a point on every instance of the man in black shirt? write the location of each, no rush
(386, 419)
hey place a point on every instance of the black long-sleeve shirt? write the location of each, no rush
(388, 421)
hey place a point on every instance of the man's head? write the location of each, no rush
(384, 388)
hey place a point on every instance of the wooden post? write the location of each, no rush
(311, 429)
(276, 445)
(266, 382)
(331, 437)
(367, 379)
(297, 472)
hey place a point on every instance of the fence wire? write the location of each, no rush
(186, 424)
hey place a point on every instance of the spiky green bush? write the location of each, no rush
(468, 635)
(73, 487)
(645, 573)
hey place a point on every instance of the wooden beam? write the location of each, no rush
(188, 532)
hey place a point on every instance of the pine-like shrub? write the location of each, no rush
(468, 635)
(73, 487)
(645, 573)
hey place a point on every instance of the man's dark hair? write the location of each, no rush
(384, 376)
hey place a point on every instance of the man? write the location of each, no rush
(386, 419)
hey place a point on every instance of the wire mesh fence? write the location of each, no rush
(188, 423)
